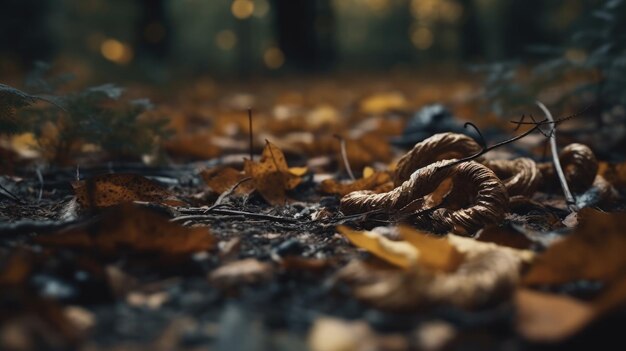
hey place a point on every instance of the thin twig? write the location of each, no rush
(484, 150)
(229, 192)
(238, 213)
(344, 156)
(569, 198)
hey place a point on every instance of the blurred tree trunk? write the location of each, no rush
(305, 32)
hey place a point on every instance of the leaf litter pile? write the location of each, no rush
(325, 219)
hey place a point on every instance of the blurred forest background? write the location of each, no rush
(160, 41)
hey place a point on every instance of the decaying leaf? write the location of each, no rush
(549, 317)
(271, 176)
(133, 228)
(375, 181)
(453, 269)
(484, 278)
(222, 179)
(487, 205)
(615, 173)
(246, 271)
(113, 189)
(593, 251)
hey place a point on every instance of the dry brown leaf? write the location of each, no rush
(593, 251)
(434, 252)
(482, 278)
(221, 179)
(134, 228)
(375, 181)
(271, 176)
(615, 173)
(114, 189)
(397, 253)
(246, 271)
(546, 317)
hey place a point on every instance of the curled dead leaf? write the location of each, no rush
(114, 189)
(470, 179)
(443, 146)
(222, 179)
(480, 279)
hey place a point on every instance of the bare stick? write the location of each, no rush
(569, 198)
(344, 156)
(250, 133)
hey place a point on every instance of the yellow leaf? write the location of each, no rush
(298, 171)
(435, 253)
(400, 254)
(271, 176)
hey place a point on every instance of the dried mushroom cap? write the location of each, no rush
(579, 165)
(486, 195)
(438, 147)
(520, 176)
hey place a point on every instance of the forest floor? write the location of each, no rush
(234, 238)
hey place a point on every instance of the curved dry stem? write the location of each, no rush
(438, 147)
(520, 176)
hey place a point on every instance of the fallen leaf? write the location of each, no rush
(246, 271)
(615, 173)
(549, 317)
(222, 179)
(434, 252)
(114, 189)
(271, 176)
(593, 251)
(134, 228)
(397, 253)
(378, 182)
(334, 334)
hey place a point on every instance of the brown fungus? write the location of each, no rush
(520, 176)
(480, 198)
(579, 165)
(438, 147)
